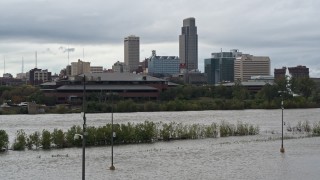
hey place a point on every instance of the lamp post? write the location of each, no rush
(112, 134)
(282, 148)
(84, 128)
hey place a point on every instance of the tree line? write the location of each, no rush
(188, 97)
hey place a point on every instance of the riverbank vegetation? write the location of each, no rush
(4, 140)
(296, 93)
(146, 132)
(130, 133)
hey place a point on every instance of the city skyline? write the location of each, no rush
(286, 31)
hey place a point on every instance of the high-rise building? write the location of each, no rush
(212, 69)
(248, 65)
(79, 67)
(220, 67)
(163, 65)
(299, 71)
(280, 73)
(132, 52)
(188, 45)
(37, 76)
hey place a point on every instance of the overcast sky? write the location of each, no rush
(288, 31)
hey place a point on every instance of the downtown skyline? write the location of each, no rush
(287, 31)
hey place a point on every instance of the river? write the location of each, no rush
(249, 157)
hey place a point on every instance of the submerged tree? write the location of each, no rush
(34, 140)
(58, 138)
(46, 139)
(20, 141)
(4, 139)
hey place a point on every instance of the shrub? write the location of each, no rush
(34, 140)
(70, 136)
(4, 139)
(226, 129)
(20, 141)
(46, 139)
(58, 138)
(316, 129)
(91, 138)
(306, 126)
(211, 131)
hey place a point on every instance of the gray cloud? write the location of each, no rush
(286, 30)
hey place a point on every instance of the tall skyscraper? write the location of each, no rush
(132, 52)
(188, 45)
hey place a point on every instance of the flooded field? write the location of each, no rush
(249, 157)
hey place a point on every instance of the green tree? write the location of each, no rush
(20, 141)
(129, 133)
(103, 135)
(91, 138)
(305, 86)
(70, 136)
(222, 91)
(281, 84)
(46, 139)
(239, 91)
(58, 138)
(268, 92)
(34, 139)
(4, 139)
(126, 106)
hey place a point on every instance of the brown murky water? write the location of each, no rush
(250, 157)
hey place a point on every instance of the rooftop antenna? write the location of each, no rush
(36, 59)
(220, 62)
(22, 68)
(4, 64)
(68, 55)
(83, 54)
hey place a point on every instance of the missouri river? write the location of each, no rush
(248, 157)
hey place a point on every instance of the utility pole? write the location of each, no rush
(84, 129)
(282, 148)
(112, 134)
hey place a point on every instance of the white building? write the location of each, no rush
(248, 65)
(120, 67)
(80, 67)
(21, 76)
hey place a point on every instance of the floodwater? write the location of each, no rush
(249, 157)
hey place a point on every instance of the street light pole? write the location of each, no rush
(84, 128)
(282, 148)
(112, 134)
